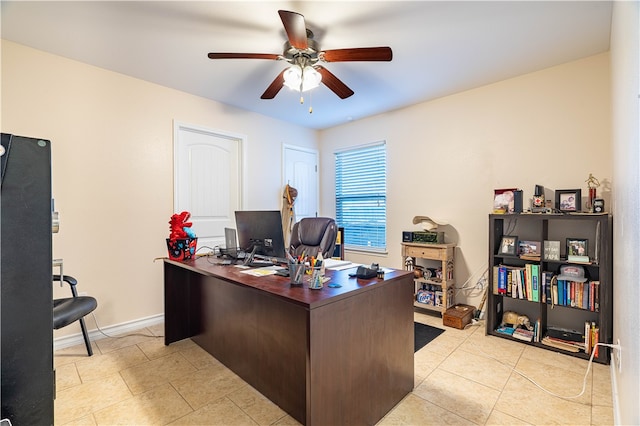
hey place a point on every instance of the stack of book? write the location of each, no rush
(523, 334)
(568, 340)
(517, 332)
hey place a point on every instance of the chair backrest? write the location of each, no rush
(313, 235)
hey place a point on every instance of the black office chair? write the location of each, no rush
(313, 235)
(71, 309)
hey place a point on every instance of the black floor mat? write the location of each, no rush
(423, 334)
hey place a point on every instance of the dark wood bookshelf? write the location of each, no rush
(597, 229)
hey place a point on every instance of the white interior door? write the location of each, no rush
(301, 172)
(207, 179)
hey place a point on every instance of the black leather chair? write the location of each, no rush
(313, 235)
(71, 309)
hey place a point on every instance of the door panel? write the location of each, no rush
(301, 172)
(207, 180)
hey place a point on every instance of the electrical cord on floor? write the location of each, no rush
(474, 287)
(122, 335)
(584, 380)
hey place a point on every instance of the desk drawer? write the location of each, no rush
(425, 252)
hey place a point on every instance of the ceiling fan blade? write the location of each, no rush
(243, 56)
(334, 83)
(359, 54)
(274, 87)
(295, 28)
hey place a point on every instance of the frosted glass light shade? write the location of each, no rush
(309, 77)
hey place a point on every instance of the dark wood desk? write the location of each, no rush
(327, 357)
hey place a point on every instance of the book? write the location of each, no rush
(537, 331)
(505, 330)
(588, 344)
(559, 345)
(565, 334)
(502, 280)
(596, 296)
(535, 283)
(578, 259)
(523, 334)
(595, 336)
(546, 286)
(567, 343)
(519, 277)
(527, 280)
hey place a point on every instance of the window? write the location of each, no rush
(361, 197)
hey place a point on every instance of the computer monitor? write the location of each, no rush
(261, 230)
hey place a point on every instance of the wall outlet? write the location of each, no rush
(481, 283)
(617, 356)
(82, 293)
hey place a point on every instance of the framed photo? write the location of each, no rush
(568, 200)
(551, 250)
(503, 200)
(508, 245)
(577, 247)
(529, 248)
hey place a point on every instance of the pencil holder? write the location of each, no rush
(296, 273)
(315, 280)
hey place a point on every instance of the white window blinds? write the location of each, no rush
(361, 197)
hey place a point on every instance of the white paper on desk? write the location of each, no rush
(343, 266)
(336, 263)
(261, 272)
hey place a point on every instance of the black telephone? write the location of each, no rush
(366, 272)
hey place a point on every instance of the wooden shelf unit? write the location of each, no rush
(439, 256)
(597, 229)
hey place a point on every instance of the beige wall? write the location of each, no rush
(112, 139)
(112, 161)
(446, 157)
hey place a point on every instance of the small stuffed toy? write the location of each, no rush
(179, 227)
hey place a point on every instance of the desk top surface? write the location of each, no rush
(281, 287)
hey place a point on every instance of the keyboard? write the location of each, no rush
(259, 263)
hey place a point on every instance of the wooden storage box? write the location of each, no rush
(458, 316)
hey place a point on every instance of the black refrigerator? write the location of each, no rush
(26, 306)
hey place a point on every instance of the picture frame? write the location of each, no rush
(503, 200)
(569, 200)
(577, 247)
(508, 245)
(529, 248)
(551, 250)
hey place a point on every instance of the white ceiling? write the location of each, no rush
(439, 48)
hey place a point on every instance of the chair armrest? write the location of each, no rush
(70, 280)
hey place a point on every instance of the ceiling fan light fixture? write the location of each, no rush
(301, 79)
(293, 77)
(310, 78)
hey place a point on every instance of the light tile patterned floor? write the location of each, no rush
(462, 377)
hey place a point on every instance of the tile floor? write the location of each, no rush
(462, 377)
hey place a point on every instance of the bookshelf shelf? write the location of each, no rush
(433, 256)
(592, 300)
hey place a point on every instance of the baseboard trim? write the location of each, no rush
(114, 330)
(614, 392)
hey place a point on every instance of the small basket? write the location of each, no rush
(182, 249)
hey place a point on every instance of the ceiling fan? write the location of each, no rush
(304, 55)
